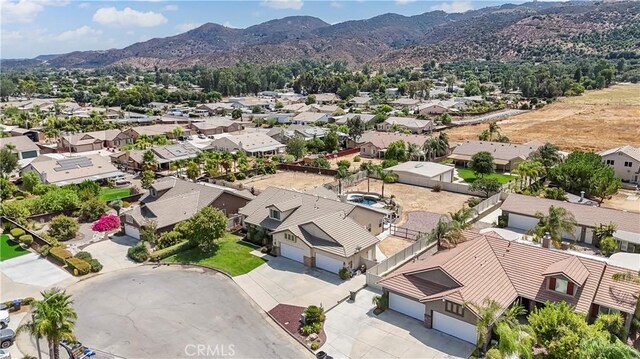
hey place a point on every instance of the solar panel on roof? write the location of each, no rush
(71, 163)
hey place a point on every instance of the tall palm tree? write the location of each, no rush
(556, 222)
(386, 176)
(53, 319)
(342, 174)
(446, 234)
(494, 129)
(548, 155)
(371, 169)
(463, 217)
(413, 151)
(488, 313)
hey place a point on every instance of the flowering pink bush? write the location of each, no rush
(106, 223)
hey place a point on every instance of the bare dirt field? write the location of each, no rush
(625, 200)
(392, 245)
(595, 121)
(355, 166)
(297, 180)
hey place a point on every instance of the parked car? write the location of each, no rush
(4, 354)
(7, 336)
(202, 136)
(4, 318)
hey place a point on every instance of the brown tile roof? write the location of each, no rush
(349, 236)
(570, 267)
(499, 150)
(620, 295)
(383, 139)
(21, 143)
(585, 215)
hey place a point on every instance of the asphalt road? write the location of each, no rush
(174, 312)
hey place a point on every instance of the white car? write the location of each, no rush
(4, 354)
(4, 318)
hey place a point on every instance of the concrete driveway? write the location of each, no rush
(353, 331)
(27, 275)
(283, 281)
(112, 253)
(171, 312)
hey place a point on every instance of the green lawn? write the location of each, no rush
(109, 194)
(9, 249)
(232, 257)
(468, 176)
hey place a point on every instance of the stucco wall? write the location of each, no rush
(367, 218)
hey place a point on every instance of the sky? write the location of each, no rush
(29, 28)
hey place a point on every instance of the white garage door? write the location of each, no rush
(588, 236)
(406, 306)
(328, 263)
(131, 231)
(522, 222)
(454, 327)
(292, 252)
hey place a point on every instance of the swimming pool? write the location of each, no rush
(365, 199)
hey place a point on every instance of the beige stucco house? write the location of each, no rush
(625, 161)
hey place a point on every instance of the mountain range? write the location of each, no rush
(507, 32)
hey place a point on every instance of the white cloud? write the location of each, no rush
(128, 17)
(336, 4)
(454, 6)
(19, 11)
(283, 4)
(187, 26)
(79, 33)
(170, 8)
(84, 5)
(229, 25)
(404, 2)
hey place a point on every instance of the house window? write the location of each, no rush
(628, 163)
(605, 310)
(454, 308)
(611, 162)
(561, 285)
(274, 214)
(289, 237)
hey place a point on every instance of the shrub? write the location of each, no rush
(92, 209)
(493, 353)
(169, 251)
(344, 163)
(63, 228)
(317, 327)
(608, 246)
(85, 256)
(381, 302)
(26, 240)
(106, 223)
(138, 253)
(321, 162)
(79, 266)
(315, 345)
(314, 314)
(28, 300)
(126, 204)
(96, 266)
(231, 177)
(44, 250)
(169, 239)
(503, 221)
(240, 176)
(437, 188)
(60, 254)
(389, 163)
(473, 201)
(306, 330)
(343, 274)
(357, 159)
(17, 232)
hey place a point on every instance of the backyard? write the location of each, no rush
(109, 194)
(469, 176)
(301, 181)
(9, 249)
(232, 256)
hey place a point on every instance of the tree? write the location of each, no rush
(7, 88)
(356, 128)
(557, 222)
(385, 176)
(397, 151)
(321, 162)
(604, 184)
(608, 245)
(548, 154)
(487, 314)
(529, 170)
(236, 114)
(311, 99)
(486, 185)
(116, 204)
(463, 217)
(7, 189)
(347, 89)
(148, 231)
(586, 172)
(482, 163)
(149, 161)
(612, 323)
(296, 147)
(63, 228)
(147, 179)
(342, 173)
(514, 342)
(8, 160)
(30, 180)
(371, 169)
(331, 142)
(206, 227)
(446, 234)
(53, 318)
(106, 223)
(92, 209)
(193, 171)
(602, 230)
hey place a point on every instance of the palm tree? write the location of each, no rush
(446, 234)
(494, 128)
(370, 169)
(53, 318)
(548, 155)
(488, 313)
(340, 175)
(413, 151)
(226, 160)
(463, 217)
(516, 341)
(557, 222)
(385, 176)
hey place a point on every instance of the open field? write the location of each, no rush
(595, 121)
(392, 245)
(625, 200)
(355, 166)
(288, 179)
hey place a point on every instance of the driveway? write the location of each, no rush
(168, 311)
(27, 275)
(283, 281)
(112, 253)
(353, 331)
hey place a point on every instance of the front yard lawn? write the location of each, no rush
(232, 256)
(109, 194)
(468, 176)
(10, 249)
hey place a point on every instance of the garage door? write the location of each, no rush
(328, 263)
(406, 306)
(292, 252)
(455, 327)
(522, 222)
(131, 231)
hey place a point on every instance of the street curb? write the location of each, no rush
(184, 264)
(286, 331)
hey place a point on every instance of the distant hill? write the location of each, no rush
(531, 30)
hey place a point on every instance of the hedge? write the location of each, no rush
(26, 239)
(79, 266)
(169, 251)
(17, 232)
(60, 254)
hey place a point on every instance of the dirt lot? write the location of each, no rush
(392, 245)
(355, 166)
(625, 200)
(595, 121)
(413, 198)
(296, 180)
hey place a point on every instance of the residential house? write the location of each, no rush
(317, 231)
(253, 144)
(625, 161)
(392, 91)
(164, 156)
(360, 101)
(155, 130)
(436, 107)
(420, 173)
(521, 212)
(96, 140)
(216, 125)
(412, 124)
(248, 103)
(328, 109)
(216, 108)
(374, 144)
(368, 119)
(306, 118)
(24, 147)
(72, 169)
(33, 134)
(506, 156)
(326, 98)
(410, 103)
(437, 289)
(171, 200)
